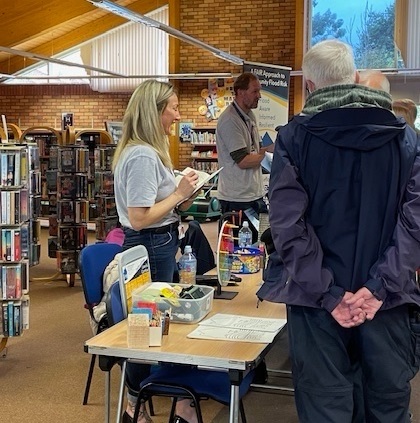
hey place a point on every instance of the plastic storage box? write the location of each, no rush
(246, 260)
(182, 310)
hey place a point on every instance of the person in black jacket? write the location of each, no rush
(345, 220)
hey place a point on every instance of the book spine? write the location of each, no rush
(17, 248)
(3, 168)
(17, 319)
(25, 313)
(16, 180)
(3, 282)
(7, 206)
(5, 319)
(10, 319)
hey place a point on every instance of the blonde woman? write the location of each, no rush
(147, 196)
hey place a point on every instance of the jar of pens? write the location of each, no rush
(147, 323)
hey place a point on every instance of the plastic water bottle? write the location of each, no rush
(245, 235)
(187, 266)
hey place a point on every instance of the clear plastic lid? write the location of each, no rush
(245, 224)
(187, 249)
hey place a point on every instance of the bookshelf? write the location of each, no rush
(104, 191)
(20, 185)
(72, 207)
(92, 138)
(204, 152)
(46, 138)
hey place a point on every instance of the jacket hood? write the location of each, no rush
(363, 129)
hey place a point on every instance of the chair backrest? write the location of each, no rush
(93, 260)
(134, 272)
(114, 307)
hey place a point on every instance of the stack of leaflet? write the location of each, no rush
(230, 327)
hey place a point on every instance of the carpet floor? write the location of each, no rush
(43, 373)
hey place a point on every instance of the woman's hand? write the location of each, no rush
(187, 185)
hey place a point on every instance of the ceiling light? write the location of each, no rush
(125, 13)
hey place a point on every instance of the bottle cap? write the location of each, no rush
(188, 249)
(245, 224)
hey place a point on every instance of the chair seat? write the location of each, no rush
(211, 384)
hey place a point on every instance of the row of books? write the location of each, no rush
(107, 206)
(73, 211)
(14, 207)
(14, 317)
(19, 243)
(13, 281)
(104, 156)
(11, 244)
(44, 141)
(104, 183)
(72, 237)
(72, 187)
(73, 159)
(10, 168)
(209, 167)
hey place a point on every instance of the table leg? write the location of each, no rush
(107, 396)
(121, 391)
(234, 404)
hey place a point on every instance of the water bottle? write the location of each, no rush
(245, 235)
(187, 266)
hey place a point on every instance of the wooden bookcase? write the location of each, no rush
(204, 152)
(20, 185)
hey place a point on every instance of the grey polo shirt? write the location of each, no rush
(236, 184)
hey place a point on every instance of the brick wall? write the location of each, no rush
(255, 30)
(42, 105)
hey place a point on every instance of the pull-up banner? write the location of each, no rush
(273, 107)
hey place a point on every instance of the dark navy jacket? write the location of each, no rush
(345, 208)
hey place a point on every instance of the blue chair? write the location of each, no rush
(115, 314)
(178, 381)
(93, 260)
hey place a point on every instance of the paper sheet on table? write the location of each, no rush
(235, 321)
(230, 327)
(229, 334)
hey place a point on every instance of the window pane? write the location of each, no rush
(367, 25)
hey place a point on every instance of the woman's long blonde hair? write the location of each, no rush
(142, 123)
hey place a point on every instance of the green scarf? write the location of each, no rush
(348, 95)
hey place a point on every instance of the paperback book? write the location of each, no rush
(203, 177)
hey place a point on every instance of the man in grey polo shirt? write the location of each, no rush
(240, 184)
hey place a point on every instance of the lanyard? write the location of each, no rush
(251, 131)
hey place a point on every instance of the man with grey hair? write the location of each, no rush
(345, 219)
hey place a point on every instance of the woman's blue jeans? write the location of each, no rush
(162, 249)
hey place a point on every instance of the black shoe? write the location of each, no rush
(127, 419)
(178, 419)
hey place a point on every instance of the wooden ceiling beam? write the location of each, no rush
(73, 37)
